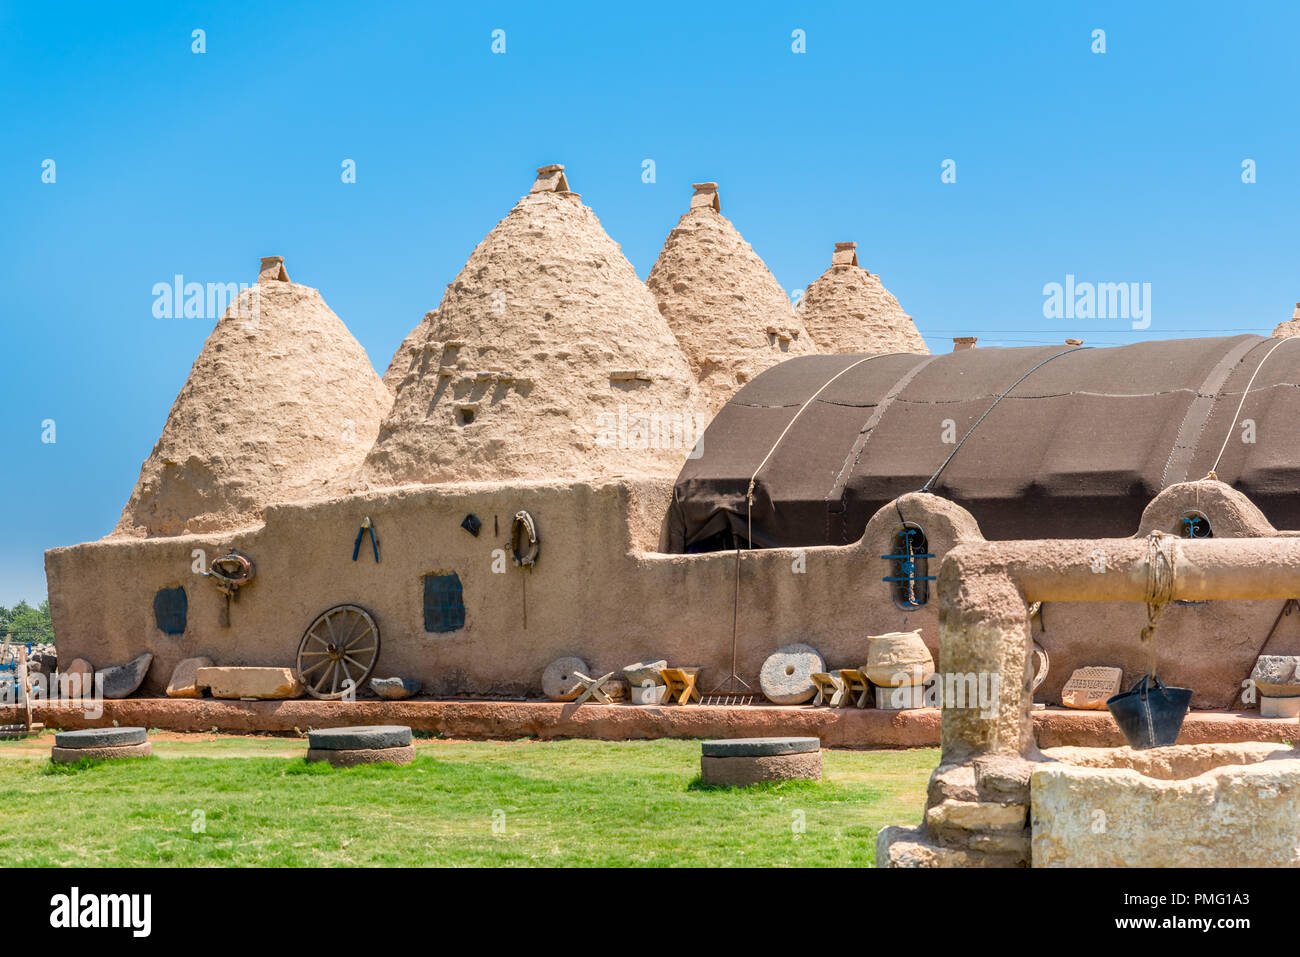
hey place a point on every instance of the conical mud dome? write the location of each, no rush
(727, 310)
(546, 359)
(1289, 329)
(281, 404)
(847, 309)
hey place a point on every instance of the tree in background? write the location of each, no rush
(23, 623)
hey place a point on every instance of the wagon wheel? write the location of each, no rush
(341, 645)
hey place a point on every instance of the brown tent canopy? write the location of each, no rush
(1077, 449)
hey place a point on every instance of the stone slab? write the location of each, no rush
(359, 738)
(1270, 707)
(395, 689)
(352, 757)
(100, 737)
(121, 681)
(740, 772)
(184, 680)
(69, 755)
(264, 684)
(758, 747)
(1275, 675)
(645, 671)
(647, 694)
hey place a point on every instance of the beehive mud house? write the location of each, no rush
(551, 383)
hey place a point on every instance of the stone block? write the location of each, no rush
(365, 737)
(184, 681)
(69, 755)
(350, 758)
(120, 681)
(266, 684)
(740, 772)
(100, 737)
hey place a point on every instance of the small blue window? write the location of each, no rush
(909, 567)
(444, 605)
(170, 610)
(1195, 525)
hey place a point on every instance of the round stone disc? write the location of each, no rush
(786, 677)
(361, 738)
(558, 682)
(759, 747)
(100, 738)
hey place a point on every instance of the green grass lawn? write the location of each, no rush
(239, 801)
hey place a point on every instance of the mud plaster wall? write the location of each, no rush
(599, 591)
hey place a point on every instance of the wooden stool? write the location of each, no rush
(681, 684)
(830, 689)
(856, 686)
(591, 689)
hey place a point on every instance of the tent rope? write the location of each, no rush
(749, 507)
(931, 481)
(1232, 426)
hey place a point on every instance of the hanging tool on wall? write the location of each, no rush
(230, 573)
(366, 526)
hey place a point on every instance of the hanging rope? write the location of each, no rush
(928, 484)
(749, 510)
(1232, 426)
(1161, 563)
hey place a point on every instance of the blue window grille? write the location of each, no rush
(444, 605)
(170, 610)
(1195, 525)
(909, 569)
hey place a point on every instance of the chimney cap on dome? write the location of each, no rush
(706, 196)
(961, 343)
(846, 254)
(551, 179)
(273, 270)
(1074, 342)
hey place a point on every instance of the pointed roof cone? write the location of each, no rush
(1291, 328)
(273, 270)
(542, 360)
(729, 313)
(847, 309)
(281, 403)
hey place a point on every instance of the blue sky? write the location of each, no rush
(1124, 166)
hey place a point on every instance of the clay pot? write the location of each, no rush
(898, 658)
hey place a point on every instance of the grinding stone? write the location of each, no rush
(758, 747)
(558, 682)
(100, 738)
(349, 758)
(359, 739)
(786, 677)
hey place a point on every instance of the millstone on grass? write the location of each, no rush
(367, 744)
(100, 744)
(786, 677)
(100, 738)
(744, 761)
(361, 738)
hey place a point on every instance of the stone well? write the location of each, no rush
(1207, 805)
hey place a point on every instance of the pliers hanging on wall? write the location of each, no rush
(366, 526)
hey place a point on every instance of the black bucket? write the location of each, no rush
(1149, 714)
